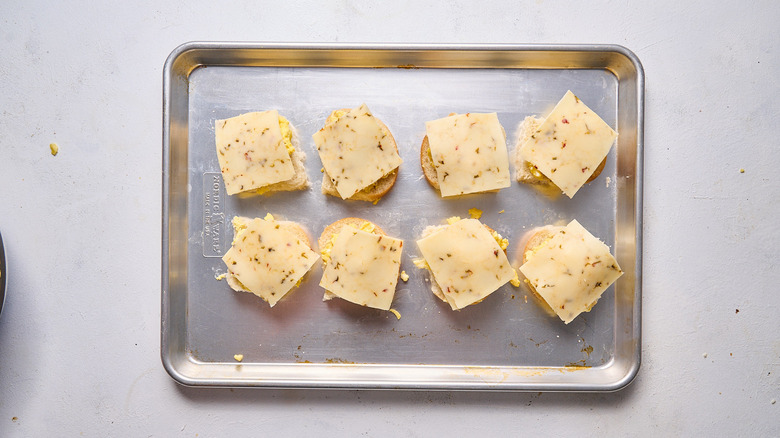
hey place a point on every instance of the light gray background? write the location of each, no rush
(79, 334)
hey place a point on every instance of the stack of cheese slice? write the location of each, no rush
(466, 261)
(570, 270)
(361, 263)
(357, 151)
(257, 153)
(268, 257)
(567, 147)
(468, 152)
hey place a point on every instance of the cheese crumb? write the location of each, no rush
(704, 355)
(396, 313)
(54, 149)
(740, 170)
(404, 276)
(268, 217)
(238, 357)
(220, 276)
(475, 213)
(608, 180)
(500, 211)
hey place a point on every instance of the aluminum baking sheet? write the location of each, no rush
(507, 342)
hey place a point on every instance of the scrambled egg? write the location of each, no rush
(325, 251)
(502, 243)
(452, 220)
(404, 276)
(335, 116)
(238, 357)
(54, 149)
(238, 226)
(515, 281)
(284, 125)
(475, 213)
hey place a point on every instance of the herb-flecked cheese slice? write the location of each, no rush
(571, 270)
(268, 259)
(469, 153)
(466, 262)
(355, 150)
(363, 268)
(570, 144)
(251, 152)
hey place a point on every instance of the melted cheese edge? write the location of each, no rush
(355, 150)
(569, 145)
(469, 153)
(571, 270)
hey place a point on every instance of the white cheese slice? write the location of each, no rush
(466, 262)
(251, 152)
(570, 144)
(268, 259)
(363, 268)
(469, 153)
(571, 270)
(355, 150)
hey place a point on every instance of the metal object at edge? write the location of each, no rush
(507, 342)
(3, 275)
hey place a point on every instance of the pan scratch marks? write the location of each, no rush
(132, 388)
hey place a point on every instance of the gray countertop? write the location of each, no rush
(79, 333)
